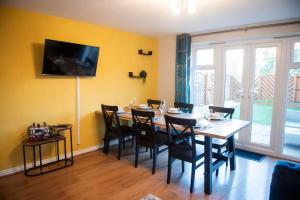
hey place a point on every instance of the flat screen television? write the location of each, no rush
(69, 59)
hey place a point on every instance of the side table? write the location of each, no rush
(55, 138)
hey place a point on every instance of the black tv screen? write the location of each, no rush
(69, 59)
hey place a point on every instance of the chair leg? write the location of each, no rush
(104, 145)
(182, 166)
(227, 149)
(132, 139)
(154, 159)
(150, 153)
(169, 169)
(192, 177)
(120, 147)
(136, 155)
(107, 141)
(219, 152)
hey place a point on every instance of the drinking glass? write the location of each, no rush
(132, 102)
(162, 107)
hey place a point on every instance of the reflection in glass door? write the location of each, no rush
(262, 94)
(203, 90)
(234, 89)
(233, 80)
(291, 144)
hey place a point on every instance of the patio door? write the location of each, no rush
(235, 82)
(250, 73)
(261, 94)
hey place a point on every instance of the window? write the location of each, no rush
(234, 64)
(203, 87)
(296, 52)
(205, 57)
(202, 77)
(292, 120)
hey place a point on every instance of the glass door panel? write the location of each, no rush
(296, 52)
(262, 94)
(233, 80)
(234, 90)
(291, 144)
(203, 90)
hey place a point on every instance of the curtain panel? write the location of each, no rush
(182, 68)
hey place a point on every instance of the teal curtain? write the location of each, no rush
(182, 68)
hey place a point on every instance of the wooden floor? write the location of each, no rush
(98, 176)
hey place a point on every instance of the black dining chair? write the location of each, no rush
(154, 104)
(184, 107)
(147, 135)
(114, 130)
(182, 145)
(218, 144)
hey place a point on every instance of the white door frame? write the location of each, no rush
(283, 64)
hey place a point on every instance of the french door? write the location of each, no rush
(250, 81)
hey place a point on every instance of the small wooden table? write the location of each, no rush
(55, 138)
(221, 129)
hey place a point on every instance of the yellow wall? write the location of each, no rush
(28, 97)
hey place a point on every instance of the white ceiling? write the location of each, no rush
(155, 17)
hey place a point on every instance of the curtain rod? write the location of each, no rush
(245, 28)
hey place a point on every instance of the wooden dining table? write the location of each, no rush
(221, 129)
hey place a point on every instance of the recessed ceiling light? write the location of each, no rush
(178, 6)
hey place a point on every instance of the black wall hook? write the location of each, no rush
(143, 75)
(141, 52)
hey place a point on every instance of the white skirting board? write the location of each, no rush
(19, 168)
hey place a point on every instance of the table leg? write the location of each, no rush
(231, 148)
(57, 150)
(24, 158)
(71, 144)
(40, 150)
(34, 160)
(65, 147)
(207, 165)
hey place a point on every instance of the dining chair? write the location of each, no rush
(147, 135)
(218, 144)
(184, 107)
(154, 104)
(114, 130)
(182, 145)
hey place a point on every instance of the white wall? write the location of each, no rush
(167, 50)
(166, 69)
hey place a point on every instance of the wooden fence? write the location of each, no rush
(264, 88)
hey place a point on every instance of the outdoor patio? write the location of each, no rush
(291, 146)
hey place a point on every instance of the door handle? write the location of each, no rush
(241, 93)
(252, 93)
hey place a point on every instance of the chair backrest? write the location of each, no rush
(143, 123)
(184, 107)
(227, 111)
(181, 129)
(111, 118)
(154, 103)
